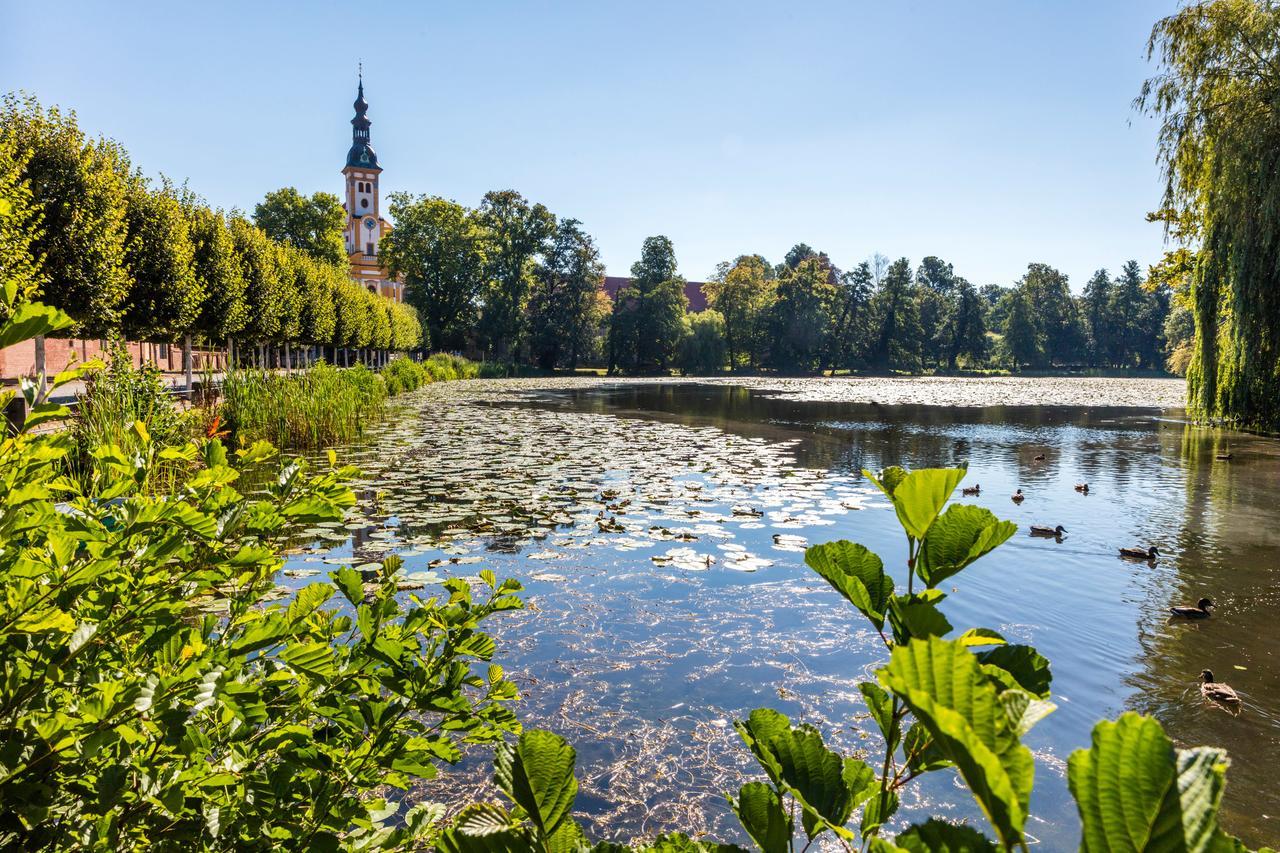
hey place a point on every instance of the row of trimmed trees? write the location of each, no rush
(87, 233)
(807, 315)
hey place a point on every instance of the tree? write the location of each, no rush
(313, 225)
(849, 330)
(1125, 309)
(318, 282)
(567, 306)
(438, 247)
(1217, 95)
(897, 312)
(742, 293)
(964, 330)
(648, 314)
(515, 232)
(801, 318)
(702, 349)
(20, 264)
(259, 268)
(225, 310)
(165, 296)
(1096, 310)
(79, 188)
(1054, 312)
(1022, 341)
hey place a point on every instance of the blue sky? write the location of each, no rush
(988, 133)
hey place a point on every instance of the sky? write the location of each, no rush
(991, 134)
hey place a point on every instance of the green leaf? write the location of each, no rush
(536, 772)
(759, 809)
(1025, 710)
(938, 836)
(1135, 792)
(947, 691)
(348, 580)
(921, 495)
(960, 535)
(30, 320)
(758, 731)
(856, 573)
(880, 705)
(922, 752)
(1018, 666)
(678, 842)
(981, 637)
(917, 616)
(887, 480)
(42, 412)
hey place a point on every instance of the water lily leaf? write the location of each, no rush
(959, 536)
(944, 686)
(1135, 792)
(921, 495)
(536, 772)
(1018, 666)
(759, 809)
(856, 573)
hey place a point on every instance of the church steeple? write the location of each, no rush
(361, 154)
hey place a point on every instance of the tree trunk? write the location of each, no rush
(186, 361)
(40, 371)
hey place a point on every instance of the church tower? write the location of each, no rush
(365, 225)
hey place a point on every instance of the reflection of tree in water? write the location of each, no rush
(1228, 549)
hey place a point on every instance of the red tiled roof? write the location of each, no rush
(692, 291)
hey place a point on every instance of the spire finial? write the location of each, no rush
(360, 75)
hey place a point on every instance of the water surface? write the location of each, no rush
(659, 530)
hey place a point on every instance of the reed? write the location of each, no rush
(316, 408)
(404, 374)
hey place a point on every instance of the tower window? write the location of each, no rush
(364, 202)
(368, 248)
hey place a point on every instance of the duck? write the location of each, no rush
(1050, 532)
(975, 489)
(1138, 554)
(1225, 457)
(1082, 488)
(1216, 691)
(1017, 497)
(1039, 457)
(1200, 611)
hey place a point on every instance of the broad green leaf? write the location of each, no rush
(758, 731)
(938, 836)
(44, 621)
(959, 536)
(1025, 710)
(947, 691)
(759, 809)
(922, 752)
(880, 704)
(856, 573)
(42, 412)
(536, 772)
(348, 581)
(917, 616)
(1018, 666)
(30, 320)
(678, 842)
(568, 838)
(921, 495)
(879, 809)
(981, 637)
(1135, 792)
(887, 480)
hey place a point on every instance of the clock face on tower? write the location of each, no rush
(370, 223)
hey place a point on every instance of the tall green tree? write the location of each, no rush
(935, 290)
(702, 349)
(1126, 311)
(801, 318)
(1217, 95)
(1022, 337)
(165, 296)
(1096, 312)
(898, 342)
(21, 266)
(225, 309)
(515, 233)
(647, 323)
(964, 329)
(1055, 313)
(567, 307)
(849, 329)
(742, 292)
(438, 247)
(80, 191)
(311, 224)
(264, 291)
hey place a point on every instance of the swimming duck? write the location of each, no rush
(1139, 554)
(1052, 532)
(1039, 457)
(1215, 691)
(1017, 497)
(1082, 488)
(1200, 611)
(1225, 457)
(975, 489)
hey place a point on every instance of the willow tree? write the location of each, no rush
(1218, 97)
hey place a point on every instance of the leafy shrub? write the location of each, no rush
(116, 399)
(154, 697)
(404, 374)
(315, 408)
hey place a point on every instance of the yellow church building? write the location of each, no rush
(365, 226)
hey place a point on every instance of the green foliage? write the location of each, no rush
(800, 318)
(225, 310)
(898, 344)
(404, 374)
(312, 225)
(79, 191)
(567, 306)
(315, 408)
(742, 292)
(156, 697)
(19, 223)
(702, 349)
(515, 232)
(647, 323)
(439, 247)
(165, 297)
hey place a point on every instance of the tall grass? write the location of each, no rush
(404, 374)
(116, 398)
(319, 407)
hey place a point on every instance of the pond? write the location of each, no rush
(659, 528)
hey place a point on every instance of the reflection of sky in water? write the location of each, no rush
(643, 664)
